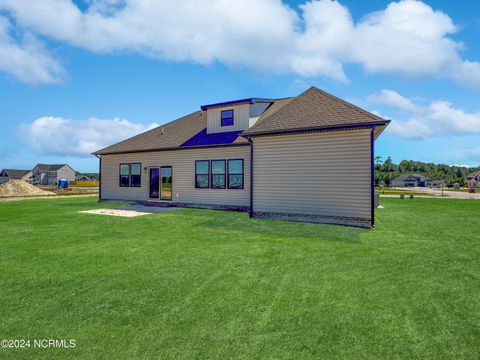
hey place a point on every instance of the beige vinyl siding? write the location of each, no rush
(183, 166)
(324, 174)
(241, 116)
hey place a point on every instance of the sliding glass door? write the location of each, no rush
(166, 183)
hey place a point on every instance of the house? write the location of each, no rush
(415, 180)
(7, 174)
(473, 179)
(435, 183)
(81, 177)
(307, 158)
(409, 180)
(50, 174)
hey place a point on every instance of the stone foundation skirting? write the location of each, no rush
(321, 219)
(195, 205)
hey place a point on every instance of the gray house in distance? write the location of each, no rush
(414, 180)
(305, 158)
(473, 179)
(50, 174)
(13, 174)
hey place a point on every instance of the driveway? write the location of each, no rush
(446, 193)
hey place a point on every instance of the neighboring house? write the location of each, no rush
(50, 174)
(473, 179)
(307, 158)
(435, 183)
(7, 174)
(82, 178)
(414, 180)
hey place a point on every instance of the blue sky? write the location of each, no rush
(78, 76)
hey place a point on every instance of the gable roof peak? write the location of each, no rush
(313, 109)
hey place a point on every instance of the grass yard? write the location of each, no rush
(213, 285)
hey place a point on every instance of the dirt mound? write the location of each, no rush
(16, 188)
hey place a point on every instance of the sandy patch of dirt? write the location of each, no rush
(20, 188)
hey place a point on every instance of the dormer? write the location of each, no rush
(235, 115)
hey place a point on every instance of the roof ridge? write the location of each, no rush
(350, 105)
(294, 98)
(148, 131)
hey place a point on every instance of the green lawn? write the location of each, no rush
(214, 285)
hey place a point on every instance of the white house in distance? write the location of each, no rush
(50, 174)
(306, 158)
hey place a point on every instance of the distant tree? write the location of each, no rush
(387, 170)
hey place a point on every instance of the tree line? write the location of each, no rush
(386, 171)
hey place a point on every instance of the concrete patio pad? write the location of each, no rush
(129, 211)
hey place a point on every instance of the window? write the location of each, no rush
(130, 175)
(124, 175)
(218, 174)
(235, 174)
(202, 174)
(226, 117)
(135, 174)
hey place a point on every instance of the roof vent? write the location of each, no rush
(161, 131)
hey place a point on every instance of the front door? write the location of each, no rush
(154, 183)
(166, 183)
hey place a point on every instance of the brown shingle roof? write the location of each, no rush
(169, 136)
(313, 109)
(14, 173)
(310, 110)
(50, 167)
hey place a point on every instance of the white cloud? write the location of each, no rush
(393, 99)
(51, 135)
(437, 118)
(407, 37)
(26, 59)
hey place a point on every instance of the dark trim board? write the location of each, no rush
(371, 125)
(236, 102)
(251, 176)
(172, 149)
(99, 177)
(372, 177)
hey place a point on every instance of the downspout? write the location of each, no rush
(99, 177)
(372, 178)
(251, 176)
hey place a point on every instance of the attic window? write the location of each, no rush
(226, 117)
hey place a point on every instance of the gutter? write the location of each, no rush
(170, 149)
(372, 177)
(318, 129)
